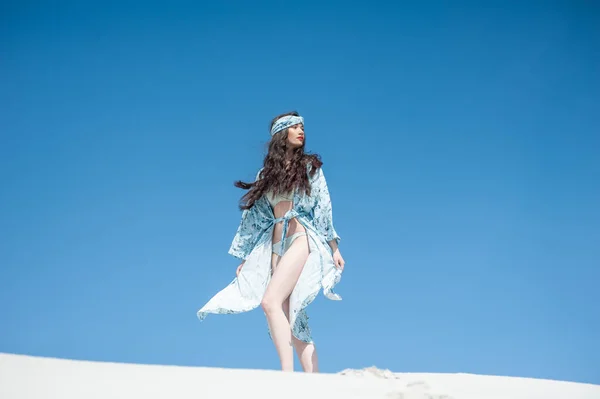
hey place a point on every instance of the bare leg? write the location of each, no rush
(307, 353)
(279, 289)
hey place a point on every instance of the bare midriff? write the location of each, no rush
(279, 210)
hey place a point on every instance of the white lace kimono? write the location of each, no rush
(253, 242)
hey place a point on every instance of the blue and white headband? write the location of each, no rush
(284, 122)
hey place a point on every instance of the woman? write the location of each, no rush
(287, 244)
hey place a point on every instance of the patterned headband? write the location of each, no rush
(284, 122)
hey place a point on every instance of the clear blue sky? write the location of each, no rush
(461, 147)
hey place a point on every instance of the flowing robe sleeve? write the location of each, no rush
(322, 212)
(248, 231)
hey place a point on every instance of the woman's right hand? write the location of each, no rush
(239, 269)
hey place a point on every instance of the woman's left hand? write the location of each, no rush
(338, 260)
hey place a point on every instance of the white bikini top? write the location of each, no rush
(275, 199)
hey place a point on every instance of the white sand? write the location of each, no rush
(27, 377)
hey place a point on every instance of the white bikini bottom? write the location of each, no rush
(287, 242)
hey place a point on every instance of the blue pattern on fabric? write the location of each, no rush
(253, 243)
(286, 121)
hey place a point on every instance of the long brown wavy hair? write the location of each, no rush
(281, 173)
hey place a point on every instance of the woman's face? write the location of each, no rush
(295, 135)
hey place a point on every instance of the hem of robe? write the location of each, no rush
(327, 281)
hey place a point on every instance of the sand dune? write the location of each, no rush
(28, 377)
